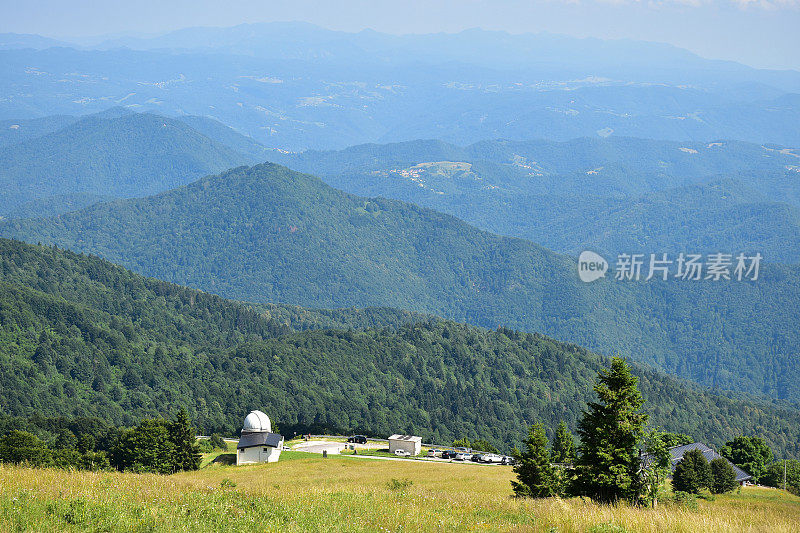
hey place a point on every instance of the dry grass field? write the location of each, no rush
(305, 492)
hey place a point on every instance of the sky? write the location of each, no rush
(761, 33)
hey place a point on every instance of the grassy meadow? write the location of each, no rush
(304, 492)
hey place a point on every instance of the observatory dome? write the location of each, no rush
(257, 421)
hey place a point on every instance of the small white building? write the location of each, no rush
(408, 443)
(257, 443)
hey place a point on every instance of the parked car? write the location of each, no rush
(448, 454)
(358, 439)
(508, 460)
(434, 453)
(402, 453)
(461, 456)
(476, 457)
(491, 458)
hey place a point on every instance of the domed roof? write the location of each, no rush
(257, 421)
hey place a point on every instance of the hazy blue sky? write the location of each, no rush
(757, 32)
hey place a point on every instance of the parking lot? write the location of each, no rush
(378, 449)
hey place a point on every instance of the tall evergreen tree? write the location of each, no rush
(723, 478)
(535, 476)
(608, 467)
(692, 473)
(563, 445)
(182, 434)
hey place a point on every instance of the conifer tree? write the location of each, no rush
(692, 473)
(723, 478)
(182, 435)
(608, 467)
(535, 476)
(563, 445)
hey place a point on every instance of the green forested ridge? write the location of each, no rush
(612, 195)
(82, 337)
(267, 234)
(115, 153)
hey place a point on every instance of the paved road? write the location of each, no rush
(319, 446)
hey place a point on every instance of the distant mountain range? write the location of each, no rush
(611, 195)
(267, 234)
(83, 337)
(543, 52)
(614, 195)
(296, 86)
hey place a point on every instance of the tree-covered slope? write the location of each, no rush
(82, 337)
(267, 234)
(615, 195)
(119, 154)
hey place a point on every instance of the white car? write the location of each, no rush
(402, 453)
(491, 458)
(461, 456)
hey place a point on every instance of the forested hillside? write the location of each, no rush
(112, 154)
(82, 337)
(614, 195)
(266, 234)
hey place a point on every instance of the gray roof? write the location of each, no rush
(259, 438)
(410, 438)
(677, 453)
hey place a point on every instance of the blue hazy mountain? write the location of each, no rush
(12, 41)
(296, 86)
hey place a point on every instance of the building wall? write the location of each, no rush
(412, 447)
(257, 454)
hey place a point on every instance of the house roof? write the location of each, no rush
(260, 438)
(677, 453)
(409, 438)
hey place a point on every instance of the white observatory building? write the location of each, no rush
(257, 443)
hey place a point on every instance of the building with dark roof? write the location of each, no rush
(257, 443)
(677, 453)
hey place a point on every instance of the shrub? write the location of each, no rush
(399, 485)
(685, 500)
(218, 442)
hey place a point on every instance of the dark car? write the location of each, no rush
(358, 439)
(448, 454)
(476, 458)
